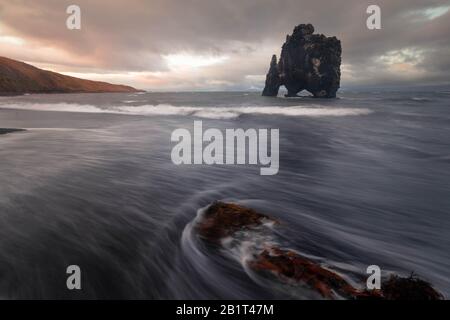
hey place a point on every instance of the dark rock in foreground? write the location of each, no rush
(288, 265)
(309, 62)
(10, 130)
(411, 288)
(222, 220)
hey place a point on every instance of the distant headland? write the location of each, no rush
(19, 78)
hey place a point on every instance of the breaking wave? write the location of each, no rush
(201, 112)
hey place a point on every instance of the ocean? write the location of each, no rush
(363, 180)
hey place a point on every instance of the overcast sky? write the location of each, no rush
(224, 44)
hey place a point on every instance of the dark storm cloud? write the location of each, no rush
(134, 35)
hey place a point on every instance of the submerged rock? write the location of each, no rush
(10, 130)
(309, 62)
(222, 220)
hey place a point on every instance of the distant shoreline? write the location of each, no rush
(19, 94)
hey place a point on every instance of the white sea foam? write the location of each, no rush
(201, 112)
(131, 101)
(420, 99)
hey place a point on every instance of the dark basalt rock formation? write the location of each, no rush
(309, 62)
(272, 79)
(222, 220)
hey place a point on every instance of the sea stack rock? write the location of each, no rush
(272, 79)
(309, 62)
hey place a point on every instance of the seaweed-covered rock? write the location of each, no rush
(410, 288)
(223, 219)
(289, 266)
(309, 62)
